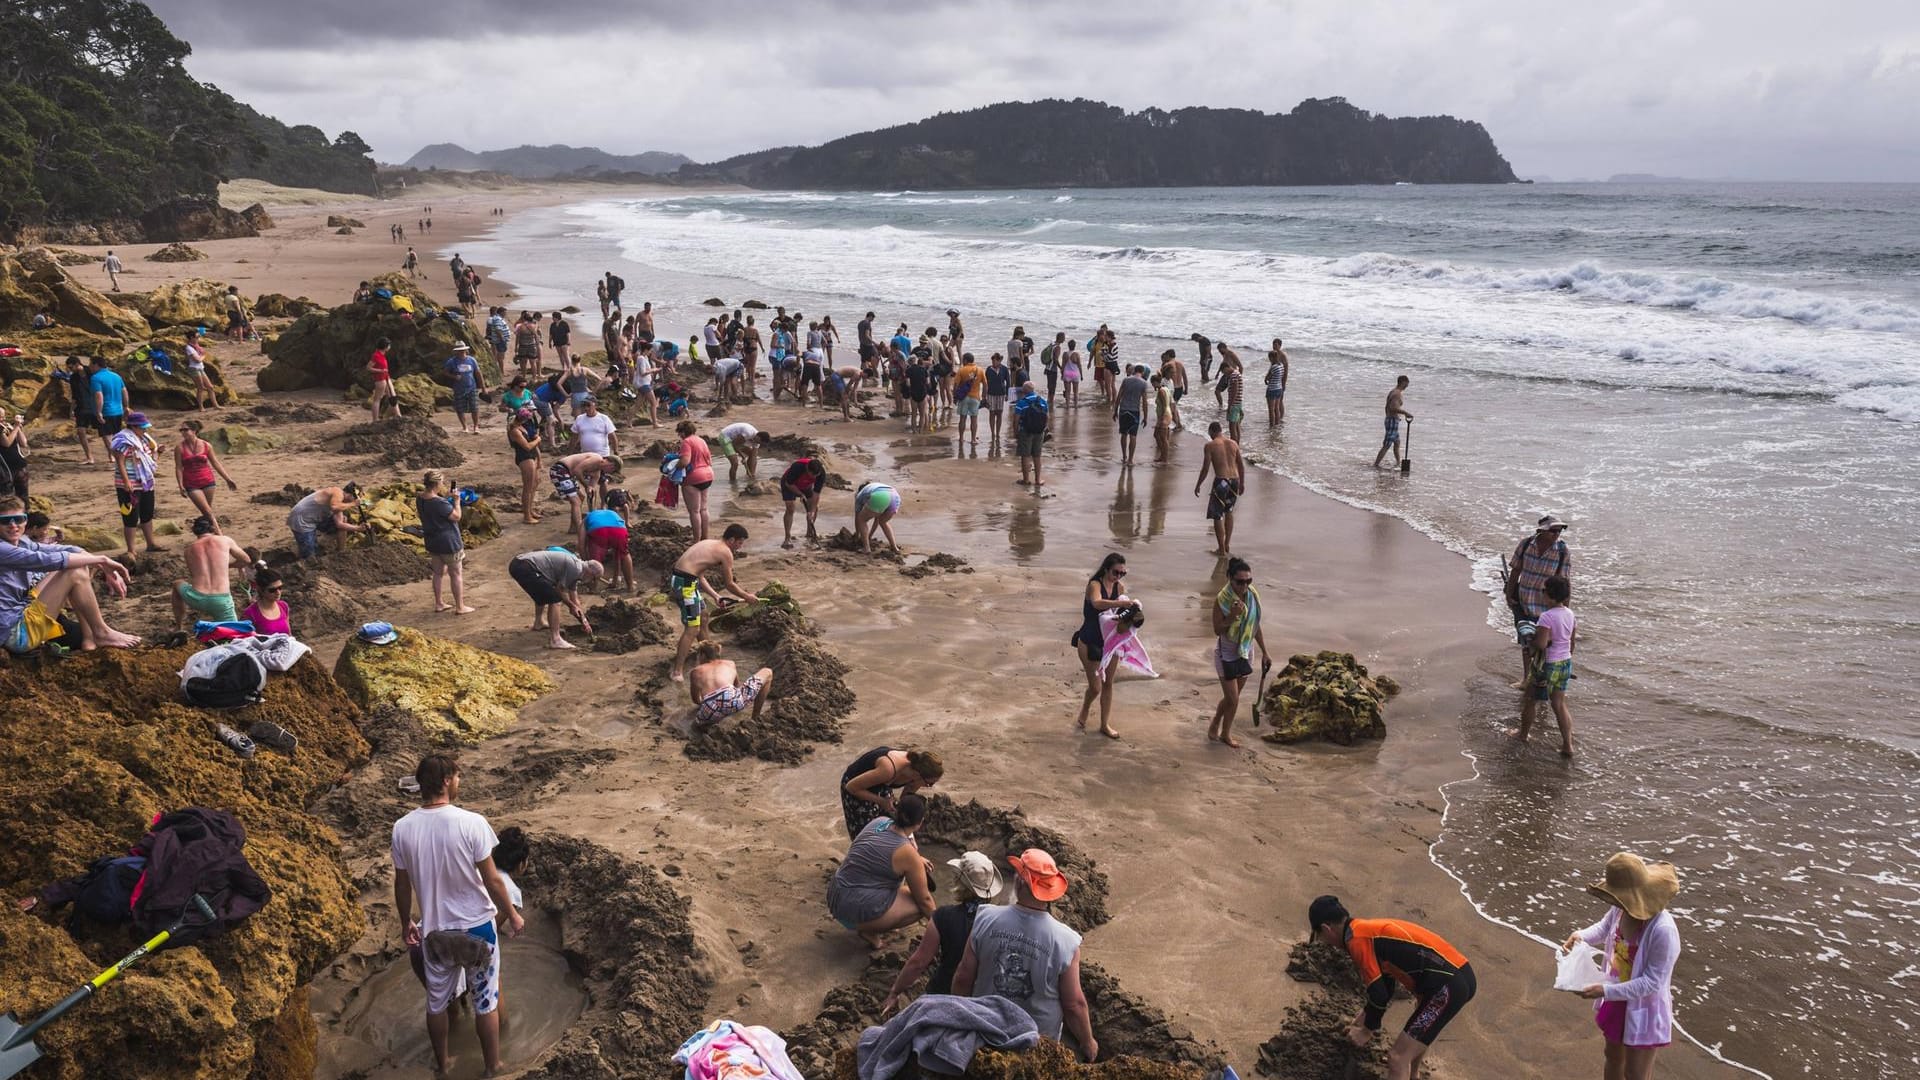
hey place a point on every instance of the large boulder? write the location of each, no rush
(33, 281)
(1329, 696)
(193, 302)
(194, 219)
(257, 216)
(461, 693)
(150, 388)
(275, 305)
(98, 744)
(177, 252)
(339, 221)
(330, 348)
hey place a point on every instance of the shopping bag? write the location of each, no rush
(1579, 968)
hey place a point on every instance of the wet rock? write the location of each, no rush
(1329, 696)
(330, 348)
(194, 219)
(257, 216)
(230, 439)
(411, 441)
(393, 514)
(275, 305)
(177, 252)
(463, 694)
(755, 305)
(336, 221)
(97, 744)
(714, 301)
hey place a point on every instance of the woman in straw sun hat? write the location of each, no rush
(1639, 944)
(977, 882)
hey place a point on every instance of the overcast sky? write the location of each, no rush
(1758, 89)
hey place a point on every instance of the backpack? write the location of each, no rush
(236, 681)
(1033, 418)
(196, 851)
(105, 892)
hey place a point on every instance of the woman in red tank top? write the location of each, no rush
(195, 467)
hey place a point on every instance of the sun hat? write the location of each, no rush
(1642, 889)
(378, 633)
(137, 419)
(1043, 878)
(461, 346)
(978, 873)
(1550, 522)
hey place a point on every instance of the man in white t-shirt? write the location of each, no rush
(444, 856)
(742, 441)
(595, 430)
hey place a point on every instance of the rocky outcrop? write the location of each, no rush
(194, 219)
(177, 252)
(330, 348)
(34, 280)
(462, 694)
(232, 439)
(96, 745)
(393, 514)
(275, 305)
(336, 221)
(193, 302)
(257, 216)
(1329, 696)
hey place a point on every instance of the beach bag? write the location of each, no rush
(673, 469)
(196, 851)
(1579, 968)
(238, 679)
(383, 294)
(105, 893)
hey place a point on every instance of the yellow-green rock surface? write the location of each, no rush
(461, 693)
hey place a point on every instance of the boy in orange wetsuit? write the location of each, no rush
(1390, 951)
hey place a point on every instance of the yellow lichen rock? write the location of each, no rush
(1329, 696)
(462, 694)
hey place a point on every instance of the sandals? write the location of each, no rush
(273, 736)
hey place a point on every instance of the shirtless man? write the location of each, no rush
(1395, 398)
(1221, 457)
(718, 691)
(582, 479)
(1173, 373)
(208, 591)
(846, 383)
(688, 588)
(643, 324)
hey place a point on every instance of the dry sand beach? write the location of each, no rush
(1209, 855)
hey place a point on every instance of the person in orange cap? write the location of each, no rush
(1639, 944)
(1023, 953)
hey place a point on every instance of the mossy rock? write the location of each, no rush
(330, 348)
(336, 221)
(461, 693)
(94, 538)
(393, 514)
(34, 280)
(235, 439)
(1327, 695)
(177, 252)
(193, 302)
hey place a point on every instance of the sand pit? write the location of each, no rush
(1312, 1041)
(810, 696)
(532, 777)
(286, 496)
(998, 833)
(621, 626)
(410, 441)
(284, 412)
(936, 563)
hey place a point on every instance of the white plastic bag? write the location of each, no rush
(1579, 968)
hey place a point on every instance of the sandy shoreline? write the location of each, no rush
(1211, 854)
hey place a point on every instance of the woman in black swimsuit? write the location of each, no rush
(1103, 594)
(871, 786)
(523, 434)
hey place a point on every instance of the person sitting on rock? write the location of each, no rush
(718, 691)
(37, 581)
(208, 590)
(43, 320)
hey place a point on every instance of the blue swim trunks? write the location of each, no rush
(1393, 428)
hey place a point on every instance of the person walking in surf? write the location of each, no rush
(1395, 410)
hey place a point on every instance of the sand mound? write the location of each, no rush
(934, 564)
(1312, 1042)
(1326, 696)
(292, 412)
(1126, 1025)
(462, 694)
(844, 540)
(810, 696)
(790, 445)
(622, 626)
(177, 252)
(995, 832)
(96, 745)
(627, 932)
(411, 441)
(532, 777)
(286, 496)
(845, 1012)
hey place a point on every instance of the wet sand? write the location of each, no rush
(1211, 853)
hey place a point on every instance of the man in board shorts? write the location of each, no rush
(688, 589)
(718, 691)
(1394, 951)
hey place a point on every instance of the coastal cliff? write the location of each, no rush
(1084, 143)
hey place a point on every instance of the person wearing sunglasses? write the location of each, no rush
(37, 581)
(1236, 625)
(268, 613)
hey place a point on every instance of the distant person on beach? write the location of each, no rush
(412, 264)
(881, 884)
(444, 855)
(688, 588)
(207, 591)
(551, 579)
(1021, 952)
(1538, 557)
(523, 435)
(439, 512)
(977, 882)
(1221, 457)
(1390, 951)
(1236, 630)
(581, 480)
(802, 483)
(382, 375)
(1103, 594)
(1227, 358)
(1234, 375)
(1030, 424)
(600, 294)
(955, 332)
(872, 785)
(1278, 369)
(323, 510)
(741, 442)
(526, 345)
(1071, 365)
(86, 420)
(1639, 944)
(999, 383)
(1554, 640)
(846, 383)
(239, 320)
(468, 381)
(615, 286)
(609, 543)
(594, 431)
(499, 335)
(1174, 373)
(1162, 419)
(643, 323)
(874, 506)
(1205, 345)
(560, 336)
(969, 392)
(1395, 410)
(38, 581)
(135, 457)
(114, 270)
(1129, 408)
(718, 691)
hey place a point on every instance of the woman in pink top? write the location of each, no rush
(1638, 943)
(268, 613)
(698, 461)
(1552, 665)
(195, 467)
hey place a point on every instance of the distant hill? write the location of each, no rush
(544, 162)
(1084, 143)
(1644, 178)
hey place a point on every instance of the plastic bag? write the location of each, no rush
(1579, 968)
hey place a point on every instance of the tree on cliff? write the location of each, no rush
(1090, 144)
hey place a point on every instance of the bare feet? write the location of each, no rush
(1517, 734)
(787, 543)
(560, 643)
(437, 608)
(465, 610)
(1230, 741)
(156, 547)
(1566, 750)
(1081, 724)
(1109, 733)
(114, 639)
(677, 676)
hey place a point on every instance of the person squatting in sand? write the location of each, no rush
(551, 579)
(1103, 594)
(874, 506)
(688, 588)
(802, 483)
(323, 510)
(608, 541)
(882, 884)
(718, 691)
(1389, 952)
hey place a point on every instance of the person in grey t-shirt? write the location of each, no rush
(1023, 953)
(550, 579)
(1129, 405)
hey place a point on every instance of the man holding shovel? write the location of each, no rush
(1236, 626)
(1395, 401)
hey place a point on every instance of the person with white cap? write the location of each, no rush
(977, 881)
(1022, 952)
(1538, 557)
(468, 381)
(1639, 944)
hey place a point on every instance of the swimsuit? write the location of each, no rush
(860, 812)
(1393, 428)
(684, 589)
(726, 701)
(1221, 499)
(217, 607)
(1389, 951)
(196, 470)
(564, 484)
(1089, 633)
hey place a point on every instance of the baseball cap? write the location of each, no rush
(1550, 522)
(1043, 878)
(978, 873)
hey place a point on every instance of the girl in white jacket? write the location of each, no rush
(1639, 943)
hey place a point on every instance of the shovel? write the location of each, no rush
(17, 1049)
(1266, 665)
(1406, 458)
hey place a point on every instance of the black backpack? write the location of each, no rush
(240, 680)
(1033, 419)
(105, 893)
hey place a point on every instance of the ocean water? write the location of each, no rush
(1717, 385)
